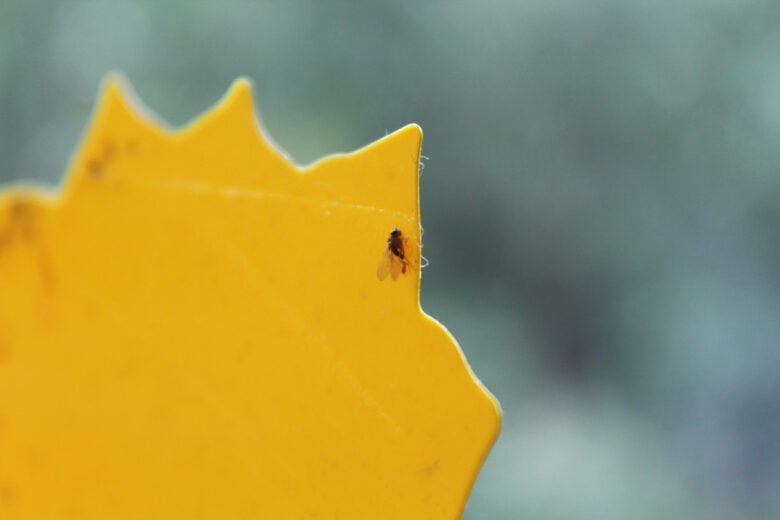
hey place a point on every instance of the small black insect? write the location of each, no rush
(393, 260)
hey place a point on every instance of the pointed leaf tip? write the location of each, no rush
(242, 86)
(234, 113)
(407, 139)
(113, 91)
(118, 100)
(238, 99)
(413, 129)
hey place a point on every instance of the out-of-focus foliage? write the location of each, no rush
(601, 206)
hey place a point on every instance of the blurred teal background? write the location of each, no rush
(601, 206)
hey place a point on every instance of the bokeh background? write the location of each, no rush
(601, 206)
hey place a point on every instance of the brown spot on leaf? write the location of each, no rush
(22, 218)
(19, 209)
(94, 167)
(109, 150)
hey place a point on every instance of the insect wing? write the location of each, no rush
(385, 264)
(397, 266)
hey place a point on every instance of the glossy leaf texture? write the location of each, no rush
(193, 327)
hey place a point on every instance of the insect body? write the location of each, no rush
(393, 260)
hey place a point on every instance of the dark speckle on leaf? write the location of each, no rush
(94, 167)
(109, 150)
(21, 218)
(19, 209)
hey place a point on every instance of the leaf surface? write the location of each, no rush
(193, 327)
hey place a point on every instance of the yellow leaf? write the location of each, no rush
(193, 327)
